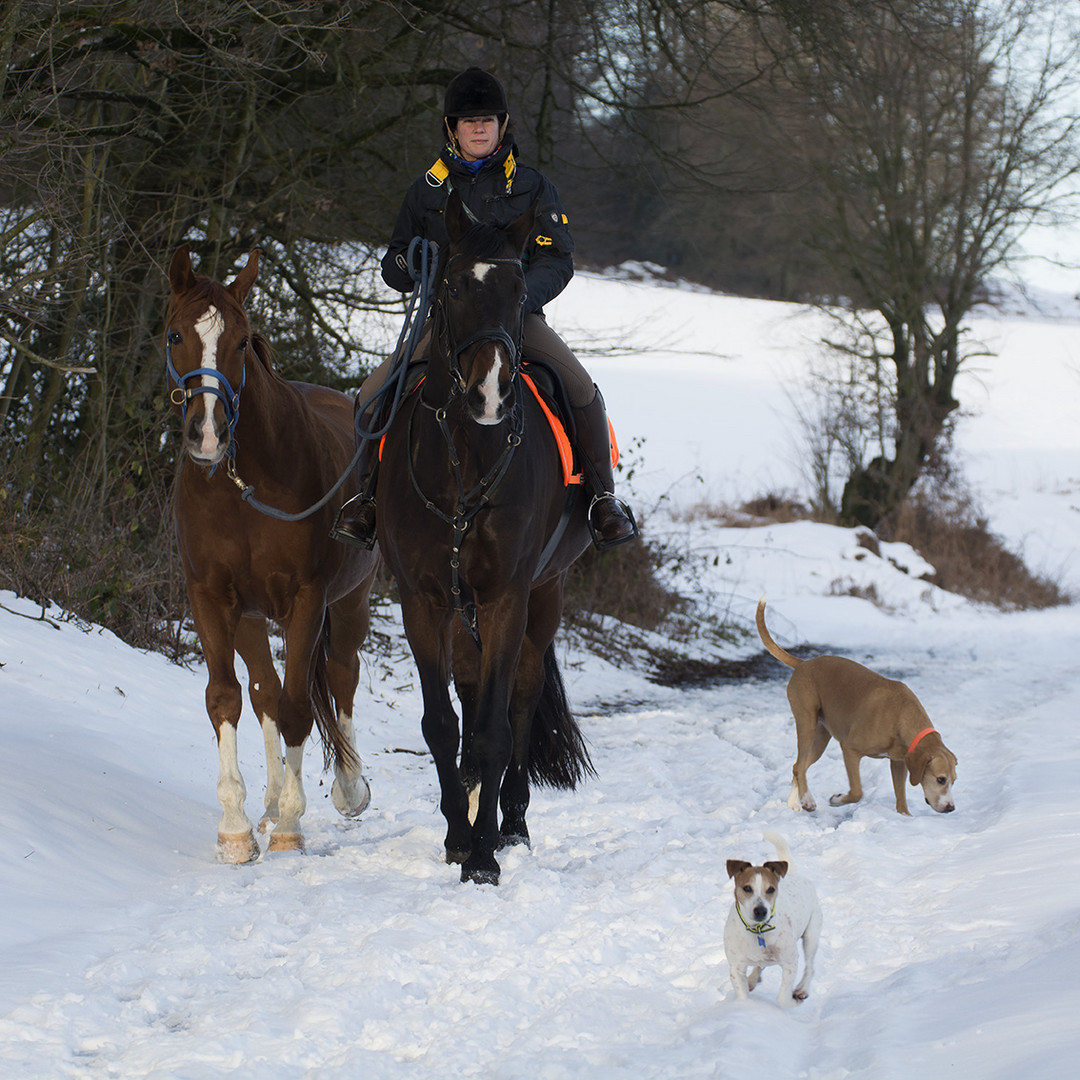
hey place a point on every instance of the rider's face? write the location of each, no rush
(477, 136)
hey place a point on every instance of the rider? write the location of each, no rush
(479, 162)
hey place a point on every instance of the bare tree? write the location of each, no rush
(937, 135)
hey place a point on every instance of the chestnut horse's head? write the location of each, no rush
(208, 342)
(481, 301)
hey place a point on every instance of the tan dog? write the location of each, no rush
(869, 716)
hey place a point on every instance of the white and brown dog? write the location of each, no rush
(772, 913)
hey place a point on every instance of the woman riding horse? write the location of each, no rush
(480, 164)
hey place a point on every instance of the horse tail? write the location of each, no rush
(558, 756)
(337, 749)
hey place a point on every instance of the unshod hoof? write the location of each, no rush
(290, 841)
(237, 847)
(351, 803)
(480, 877)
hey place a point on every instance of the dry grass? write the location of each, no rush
(771, 508)
(967, 557)
(623, 583)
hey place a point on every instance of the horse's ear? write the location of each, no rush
(455, 217)
(240, 286)
(522, 227)
(180, 276)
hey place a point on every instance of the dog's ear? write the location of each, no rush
(736, 866)
(916, 763)
(778, 868)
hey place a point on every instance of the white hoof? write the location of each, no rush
(237, 847)
(351, 799)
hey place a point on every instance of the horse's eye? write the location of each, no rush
(243, 344)
(173, 337)
(455, 294)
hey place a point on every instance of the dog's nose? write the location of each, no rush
(760, 911)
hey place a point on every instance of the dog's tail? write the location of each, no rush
(767, 641)
(783, 853)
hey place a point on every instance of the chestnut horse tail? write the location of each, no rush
(558, 756)
(337, 749)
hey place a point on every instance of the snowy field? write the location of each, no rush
(951, 943)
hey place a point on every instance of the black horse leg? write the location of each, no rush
(429, 640)
(493, 745)
(502, 626)
(514, 797)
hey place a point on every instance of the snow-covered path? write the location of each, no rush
(949, 942)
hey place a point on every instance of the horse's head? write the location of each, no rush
(207, 346)
(481, 297)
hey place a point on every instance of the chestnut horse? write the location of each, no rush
(245, 427)
(479, 529)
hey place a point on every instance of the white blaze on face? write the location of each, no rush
(489, 389)
(209, 327)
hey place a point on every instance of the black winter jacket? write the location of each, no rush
(499, 192)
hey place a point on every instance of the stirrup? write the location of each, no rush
(356, 531)
(606, 543)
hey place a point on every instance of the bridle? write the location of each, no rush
(469, 503)
(499, 335)
(181, 394)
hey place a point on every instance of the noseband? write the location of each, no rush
(230, 399)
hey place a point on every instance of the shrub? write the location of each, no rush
(968, 559)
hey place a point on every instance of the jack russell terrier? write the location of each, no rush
(773, 911)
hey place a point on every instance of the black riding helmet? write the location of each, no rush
(475, 92)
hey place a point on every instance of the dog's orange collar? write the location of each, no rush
(919, 738)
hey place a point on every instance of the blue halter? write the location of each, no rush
(230, 399)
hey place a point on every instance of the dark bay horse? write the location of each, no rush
(244, 425)
(470, 493)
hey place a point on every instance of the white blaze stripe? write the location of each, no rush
(209, 327)
(489, 389)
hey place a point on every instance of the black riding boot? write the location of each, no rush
(610, 519)
(355, 521)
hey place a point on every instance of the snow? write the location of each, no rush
(950, 942)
